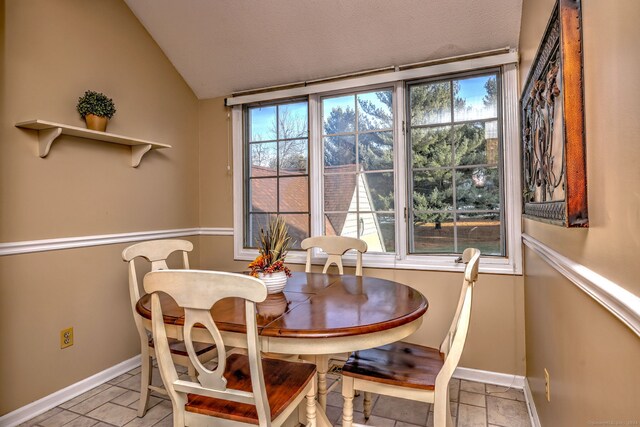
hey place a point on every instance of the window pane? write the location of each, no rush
(376, 191)
(477, 188)
(431, 147)
(294, 194)
(375, 110)
(263, 159)
(254, 224)
(480, 230)
(294, 156)
(277, 179)
(263, 195)
(430, 103)
(262, 123)
(476, 143)
(433, 233)
(298, 228)
(340, 192)
(387, 228)
(475, 98)
(341, 224)
(293, 120)
(432, 190)
(339, 153)
(338, 114)
(375, 150)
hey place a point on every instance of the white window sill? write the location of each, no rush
(488, 265)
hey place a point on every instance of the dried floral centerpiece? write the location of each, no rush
(273, 246)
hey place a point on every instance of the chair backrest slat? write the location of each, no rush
(196, 292)
(335, 247)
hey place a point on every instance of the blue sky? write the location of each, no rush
(263, 118)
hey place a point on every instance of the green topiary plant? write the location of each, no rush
(96, 103)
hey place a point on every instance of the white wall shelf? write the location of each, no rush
(49, 131)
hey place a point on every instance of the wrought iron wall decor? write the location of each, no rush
(552, 122)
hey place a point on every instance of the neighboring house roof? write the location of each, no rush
(340, 195)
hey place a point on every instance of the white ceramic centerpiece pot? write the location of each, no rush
(275, 281)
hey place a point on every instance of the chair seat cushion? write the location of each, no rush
(401, 364)
(283, 382)
(178, 347)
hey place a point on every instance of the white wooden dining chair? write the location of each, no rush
(412, 371)
(156, 252)
(335, 247)
(243, 389)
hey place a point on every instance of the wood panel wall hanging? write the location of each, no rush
(552, 124)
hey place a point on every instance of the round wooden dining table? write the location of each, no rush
(316, 315)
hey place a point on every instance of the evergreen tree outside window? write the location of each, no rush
(455, 177)
(358, 168)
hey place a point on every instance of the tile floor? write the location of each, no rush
(115, 404)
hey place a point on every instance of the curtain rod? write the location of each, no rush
(373, 71)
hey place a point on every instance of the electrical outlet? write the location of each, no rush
(66, 338)
(547, 385)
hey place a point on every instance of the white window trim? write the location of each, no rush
(511, 264)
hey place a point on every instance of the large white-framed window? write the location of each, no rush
(276, 168)
(363, 136)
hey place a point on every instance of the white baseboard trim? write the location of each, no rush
(31, 246)
(619, 301)
(40, 406)
(533, 412)
(495, 378)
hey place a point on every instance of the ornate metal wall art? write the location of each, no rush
(552, 121)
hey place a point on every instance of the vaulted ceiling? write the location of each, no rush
(222, 46)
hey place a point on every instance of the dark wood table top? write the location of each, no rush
(315, 305)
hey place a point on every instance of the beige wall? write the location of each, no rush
(593, 359)
(51, 53)
(496, 338)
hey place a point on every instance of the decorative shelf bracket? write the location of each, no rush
(46, 138)
(49, 131)
(137, 151)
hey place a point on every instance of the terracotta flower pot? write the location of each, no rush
(94, 122)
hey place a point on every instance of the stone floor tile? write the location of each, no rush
(334, 414)
(165, 422)
(403, 424)
(378, 421)
(430, 420)
(113, 414)
(44, 416)
(153, 401)
(127, 398)
(118, 379)
(59, 419)
(97, 400)
(152, 416)
(408, 411)
(135, 371)
(82, 422)
(454, 389)
(132, 383)
(471, 416)
(472, 386)
(84, 396)
(507, 412)
(505, 392)
(475, 399)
